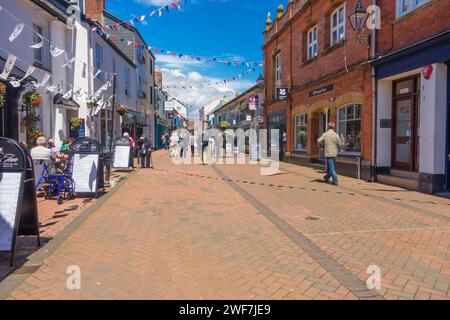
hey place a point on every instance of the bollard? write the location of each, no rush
(107, 158)
(359, 167)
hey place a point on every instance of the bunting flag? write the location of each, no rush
(55, 51)
(29, 72)
(39, 44)
(9, 65)
(140, 18)
(44, 81)
(17, 31)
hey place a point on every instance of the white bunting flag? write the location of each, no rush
(29, 72)
(9, 65)
(44, 81)
(17, 31)
(51, 89)
(39, 44)
(68, 94)
(69, 61)
(15, 83)
(55, 51)
(160, 12)
(97, 73)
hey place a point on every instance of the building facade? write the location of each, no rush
(412, 93)
(312, 54)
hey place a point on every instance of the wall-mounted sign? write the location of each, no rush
(322, 90)
(282, 93)
(427, 72)
(248, 117)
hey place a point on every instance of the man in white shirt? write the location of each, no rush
(41, 151)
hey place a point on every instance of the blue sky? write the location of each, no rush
(227, 29)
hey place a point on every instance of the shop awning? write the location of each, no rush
(61, 101)
(133, 118)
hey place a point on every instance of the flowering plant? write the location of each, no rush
(32, 99)
(29, 120)
(2, 94)
(93, 103)
(33, 134)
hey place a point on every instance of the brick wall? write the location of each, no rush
(424, 22)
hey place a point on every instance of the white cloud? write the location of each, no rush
(183, 63)
(200, 94)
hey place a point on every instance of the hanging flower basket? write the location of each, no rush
(91, 104)
(122, 110)
(33, 134)
(30, 120)
(224, 125)
(32, 99)
(75, 123)
(2, 94)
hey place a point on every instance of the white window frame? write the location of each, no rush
(312, 42)
(338, 121)
(36, 28)
(415, 4)
(277, 71)
(338, 26)
(300, 120)
(99, 60)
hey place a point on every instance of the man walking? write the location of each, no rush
(145, 150)
(331, 143)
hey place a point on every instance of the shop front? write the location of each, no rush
(412, 114)
(134, 123)
(276, 120)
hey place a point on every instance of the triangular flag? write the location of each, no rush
(17, 31)
(9, 65)
(167, 8)
(39, 44)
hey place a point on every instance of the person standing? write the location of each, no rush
(145, 152)
(132, 149)
(331, 142)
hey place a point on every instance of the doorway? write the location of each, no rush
(406, 124)
(324, 119)
(448, 126)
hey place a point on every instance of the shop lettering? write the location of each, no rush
(8, 158)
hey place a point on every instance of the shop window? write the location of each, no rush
(406, 6)
(312, 43)
(37, 38)
(337, 31)
(349, 127)
(127, 82)
(301, 132)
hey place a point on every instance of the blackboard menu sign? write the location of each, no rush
(18, 207)
(122, 153)
(87, 171)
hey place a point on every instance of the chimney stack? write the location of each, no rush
(94, 9)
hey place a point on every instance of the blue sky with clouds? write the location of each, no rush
(227, 29)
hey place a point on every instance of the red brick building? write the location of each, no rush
(312, 50)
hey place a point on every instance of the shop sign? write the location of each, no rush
(253, 102)
(320, 91)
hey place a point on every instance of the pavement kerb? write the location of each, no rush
(13, 280)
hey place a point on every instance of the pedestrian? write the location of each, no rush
(53, 148)
(66, 148)
(174, 145)
(331, 142)
(145, 152)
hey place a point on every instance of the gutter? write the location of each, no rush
(373, 175)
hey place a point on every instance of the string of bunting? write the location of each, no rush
(228, 63)
(127, 24)
(211, 83)
(70, 91)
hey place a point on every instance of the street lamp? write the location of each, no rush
(358, 19)
(260, 81)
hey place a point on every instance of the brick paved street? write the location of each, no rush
(226, 232)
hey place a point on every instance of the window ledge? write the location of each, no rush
(332, 48)
(308, 62)
(413, 12)
(345, 154)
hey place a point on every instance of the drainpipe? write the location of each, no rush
(373, 176)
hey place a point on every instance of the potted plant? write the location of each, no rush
(122, 110)
(93, 103)
(30, 120)
(33, 134)
(32, 99)
(2, 94)
(75, 123)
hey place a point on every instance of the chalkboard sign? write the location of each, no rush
(18, 206)
(87, 161)
(122, 154)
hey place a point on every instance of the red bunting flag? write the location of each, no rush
(174, 5)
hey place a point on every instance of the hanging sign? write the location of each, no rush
(18, 207)
(122, 154)
(282, 93)
(253, 102)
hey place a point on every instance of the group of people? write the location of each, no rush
(47, 149)
(142, 149)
